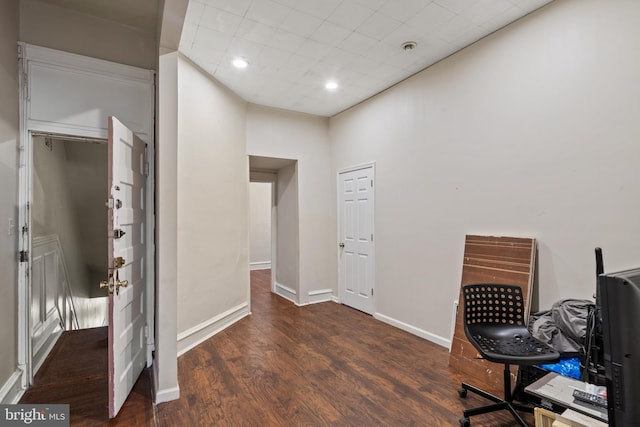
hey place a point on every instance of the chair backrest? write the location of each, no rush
(493, 304)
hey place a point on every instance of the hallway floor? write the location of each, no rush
(317, 365)
(75, 373)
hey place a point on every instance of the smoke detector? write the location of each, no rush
(409, 45)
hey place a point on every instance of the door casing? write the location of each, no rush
(70, 66)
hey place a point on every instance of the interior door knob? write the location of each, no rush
(341, 245)
(121, 284)
(107, 284)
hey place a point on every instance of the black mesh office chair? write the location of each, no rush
(494, 323)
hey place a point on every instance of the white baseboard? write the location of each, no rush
(260, 265)
(163, 395)
(321, 295)
(205, 330)
(40, 356)
(414, 330)
(168, 395)
(287, 293)
(335, 299)
(11, 391)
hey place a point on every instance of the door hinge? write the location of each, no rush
(22, 61)
(371, 183)
(371, 291)
(146, 169)
(372, 237)
(24, 256)
(26, 86)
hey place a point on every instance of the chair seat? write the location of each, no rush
(514, 345)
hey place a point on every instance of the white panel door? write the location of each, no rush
(356, 239)
(127, 281)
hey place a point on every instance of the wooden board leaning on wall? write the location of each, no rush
(502, 260)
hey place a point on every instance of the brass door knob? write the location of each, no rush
(121, 284)
(107, 284)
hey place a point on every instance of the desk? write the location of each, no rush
(569, 418)
(559, 390)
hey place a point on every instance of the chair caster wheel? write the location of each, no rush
(462, 392)
(465, 422)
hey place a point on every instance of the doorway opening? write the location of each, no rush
(99, 88)
(260, 224)
(275, 179)
(72, 236)
(68, 239)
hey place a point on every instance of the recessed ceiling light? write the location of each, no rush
(240, 63)
(331, 85)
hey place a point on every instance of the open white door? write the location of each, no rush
(127, 281)
(356, 213)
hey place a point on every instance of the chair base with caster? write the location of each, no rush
(499, 403)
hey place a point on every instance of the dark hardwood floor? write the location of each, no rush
(319, 365)
(75, 373)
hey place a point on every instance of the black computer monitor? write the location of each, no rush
(619, 301)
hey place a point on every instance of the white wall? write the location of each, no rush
(165, 365)
(305, 138)
(9, 128)
(53, 211)
(531, 132)
(287, 272)
(213, 199)
(260, 225)
(86, 182)
(59, 28)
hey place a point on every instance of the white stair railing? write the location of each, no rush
(50, 250)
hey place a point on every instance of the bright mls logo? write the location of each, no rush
(34, 415)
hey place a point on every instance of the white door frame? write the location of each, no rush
(341, 288)
(63, 62)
